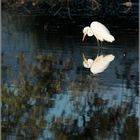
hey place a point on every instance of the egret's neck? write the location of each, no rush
(89, 32)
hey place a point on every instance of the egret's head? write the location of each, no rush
(87, 31)
(87, 63)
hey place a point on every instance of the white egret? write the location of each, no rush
(99, 31)
(99, 64)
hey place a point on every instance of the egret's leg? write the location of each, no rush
(98, 53)
(98, 43)
(101, 44)
(100, 49)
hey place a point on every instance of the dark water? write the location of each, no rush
(104, 106)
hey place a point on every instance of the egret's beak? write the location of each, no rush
(84, 58)
(84, 35)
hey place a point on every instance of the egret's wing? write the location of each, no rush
(101, 32)
(98, 67)
(99, 27)
(101, 63)
(109, 58)
(98, 59)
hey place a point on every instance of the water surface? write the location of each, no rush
(87, 106)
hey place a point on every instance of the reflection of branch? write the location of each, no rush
(30, 98)
(127, 4)
(57, 11)
(97, 5)
(127, 10)
(68, 7)
(28, 11)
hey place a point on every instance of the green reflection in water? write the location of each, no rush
(25, 102)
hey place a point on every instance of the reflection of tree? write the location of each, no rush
(130, 131)
(129, 82)
(25, 102)
(104, 123)
(126, 74)
(83, 83)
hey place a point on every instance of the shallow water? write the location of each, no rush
(84, 100)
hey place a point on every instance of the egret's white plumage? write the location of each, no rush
(99, 64)
(87, 30)
(99, 31)
(87, 62)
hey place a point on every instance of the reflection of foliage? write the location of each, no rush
(59, 135)
(130, 79)
(25, 102)
(104, 123)
(130, 131)
(102, 126)
(95, 4)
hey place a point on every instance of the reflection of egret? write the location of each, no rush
(99, 31)
(87, 62)
(99, 64)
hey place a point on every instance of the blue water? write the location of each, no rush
(74, 106)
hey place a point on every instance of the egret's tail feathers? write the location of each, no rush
(109, 38)
(109, 58)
